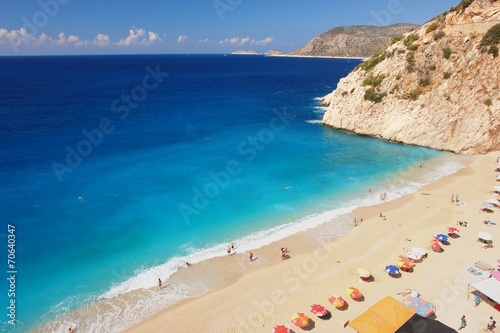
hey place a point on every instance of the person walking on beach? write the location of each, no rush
(251, 256)
(452, 198)
(159, 283)
(463, 323)
(491, 324)
(456, 198)
(229, 250)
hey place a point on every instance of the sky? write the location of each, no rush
(58, 27)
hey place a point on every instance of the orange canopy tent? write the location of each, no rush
(385, 316)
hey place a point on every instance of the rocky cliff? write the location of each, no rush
(354, 41)
(438, 86)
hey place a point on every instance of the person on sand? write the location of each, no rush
(229, 250)
(251, 256)
(491, 324)
(187, 264)
(452, 198)
(463, 323)
(456, 198)
(72, 330)
(159, 283)
(477, 299)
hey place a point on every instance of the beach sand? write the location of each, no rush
(271, 290)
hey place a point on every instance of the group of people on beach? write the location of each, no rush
(489, 327)
(230, 249)
(356, 221)
(382, 216)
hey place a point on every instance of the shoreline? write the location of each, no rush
(304, 247)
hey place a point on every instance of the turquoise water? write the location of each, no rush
(221, 149)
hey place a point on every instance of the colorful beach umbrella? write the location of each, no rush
(281, 329)
(319, 310)
(452, 230)
(405, 264)
(442, 238)
(420, 306)
(300, 320)
(435, 246)
(354, 293)
(391, 269)
(363, 273)
(337, 302)
(496, 275)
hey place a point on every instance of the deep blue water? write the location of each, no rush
(179, 162)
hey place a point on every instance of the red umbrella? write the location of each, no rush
(452, 230)
(281, 329)
(319, 310)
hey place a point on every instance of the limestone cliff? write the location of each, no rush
(353, 41)
(438, 86)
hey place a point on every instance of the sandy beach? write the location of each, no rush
(271, 290)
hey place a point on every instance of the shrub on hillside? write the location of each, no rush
(447, 52)
(438, 35)
(492, 36)
(373, 96)
(432, 27)
(493, 50)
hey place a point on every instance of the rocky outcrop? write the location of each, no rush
(438, 86)
(352, 42)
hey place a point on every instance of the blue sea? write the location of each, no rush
(115, 170)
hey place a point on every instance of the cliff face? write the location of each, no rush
(438, 86)
(355, 42)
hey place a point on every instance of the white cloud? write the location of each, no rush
(152, 37)
(132, 38)
(182, 39)
(15, 37)
(138, 37)
(101, 40)
(265, 41)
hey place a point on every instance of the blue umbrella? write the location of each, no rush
(391, 269)
(442, 238)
